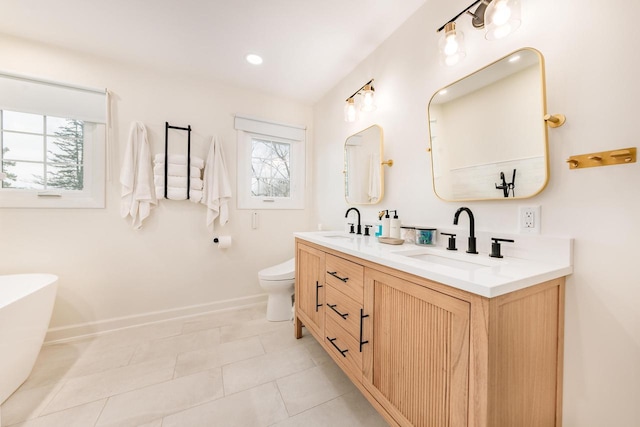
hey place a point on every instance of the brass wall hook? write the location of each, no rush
(388, 163)
(626, 155)
(555, 120)
(603, 158)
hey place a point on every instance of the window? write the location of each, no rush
(271, 165)
(51, 144)
(270, 171)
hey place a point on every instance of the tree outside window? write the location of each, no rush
(270, 168)
(42, 152)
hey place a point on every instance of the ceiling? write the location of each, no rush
(307, 46)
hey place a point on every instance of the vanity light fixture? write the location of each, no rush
(350, 110)
(368, 103)
(499, 17)
(451, 45)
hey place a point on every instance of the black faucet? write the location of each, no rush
(358, 212)
(472, 228)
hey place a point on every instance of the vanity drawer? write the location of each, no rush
(343, 310)
(343, 347)
(345, 276)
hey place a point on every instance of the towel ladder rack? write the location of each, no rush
(166, 156)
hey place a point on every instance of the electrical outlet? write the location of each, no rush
(530, 219)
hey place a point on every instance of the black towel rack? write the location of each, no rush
(166, 156)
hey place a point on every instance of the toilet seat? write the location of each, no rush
(283, 271)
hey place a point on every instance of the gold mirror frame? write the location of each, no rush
(532, 162)
(362, 166)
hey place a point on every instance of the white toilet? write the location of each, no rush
(277, 282)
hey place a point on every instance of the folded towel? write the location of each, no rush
(137, 194)
(175, 170)
(179, 194)
(178, 182)
(179, 159)
(216, 191)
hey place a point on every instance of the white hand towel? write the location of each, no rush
(374, 179)
(216, 191)
(179, 159)
(177, 182)
(175, 170)
(180, 194)
(137, 194)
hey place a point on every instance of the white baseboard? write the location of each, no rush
(72, 332)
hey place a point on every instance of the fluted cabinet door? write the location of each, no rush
(416, 360)
(310, 289)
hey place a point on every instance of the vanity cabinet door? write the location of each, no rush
(310, 287)
(416, 361)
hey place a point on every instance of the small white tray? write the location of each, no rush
(390, 240)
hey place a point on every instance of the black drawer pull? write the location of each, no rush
(342, 352)
(318, 286)
(362, 316)
(333, 307)
(333, 273)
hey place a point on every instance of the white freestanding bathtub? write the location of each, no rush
(26, 303)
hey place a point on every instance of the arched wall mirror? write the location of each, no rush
(363, 168)
(488, 134)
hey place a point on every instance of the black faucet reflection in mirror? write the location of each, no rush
(472, 228)
(346, 215)
(507, 187)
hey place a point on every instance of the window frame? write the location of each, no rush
(93, 193)
(34, 95)
(294, 136)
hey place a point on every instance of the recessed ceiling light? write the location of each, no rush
(254, 59)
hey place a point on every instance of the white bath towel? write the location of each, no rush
(217, 190)
(138, 193)
(179, 159)
(195, 196)
(175, 170)
(178, 182)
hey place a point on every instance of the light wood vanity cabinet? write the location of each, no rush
(309, 290)
(416, 362)
(427, 354)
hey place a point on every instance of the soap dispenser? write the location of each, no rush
(386, 225)
(379, 224)
(394, 226)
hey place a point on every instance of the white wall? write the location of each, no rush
(592, 79)
(108, 270)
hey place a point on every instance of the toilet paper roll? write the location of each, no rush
(223, 242)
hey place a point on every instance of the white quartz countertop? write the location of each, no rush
(534, 261)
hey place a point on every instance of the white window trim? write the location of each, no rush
(249, 128)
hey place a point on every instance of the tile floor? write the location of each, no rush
(230, 368)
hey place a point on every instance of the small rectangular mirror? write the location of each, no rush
(363, 172)
(488, 134)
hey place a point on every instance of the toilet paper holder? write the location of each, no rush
(223, 242)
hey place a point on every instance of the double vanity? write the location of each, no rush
(435, 337)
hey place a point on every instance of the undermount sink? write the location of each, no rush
(340, 236)
(454, 260)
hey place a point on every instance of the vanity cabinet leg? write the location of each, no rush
(298, 328)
